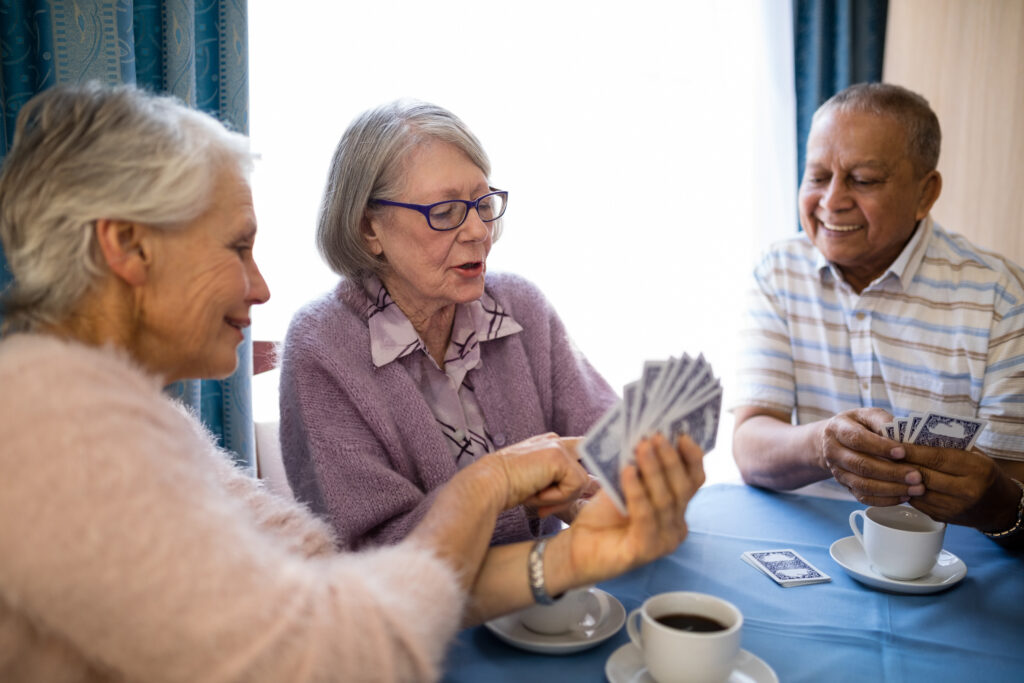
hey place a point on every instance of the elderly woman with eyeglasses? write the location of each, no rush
(420, 362)
(131, 549)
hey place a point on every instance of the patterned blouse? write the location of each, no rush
(448, 392)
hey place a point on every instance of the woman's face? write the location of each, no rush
(427, 270)
(202, 282)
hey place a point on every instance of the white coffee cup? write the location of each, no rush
(562, 616)
(901, 542)
(675, 655)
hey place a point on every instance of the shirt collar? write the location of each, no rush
(903, 268)
(392, 335)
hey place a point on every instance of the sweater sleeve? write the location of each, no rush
(333, 443)
(119, 540)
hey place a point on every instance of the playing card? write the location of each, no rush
(900, 423)
(949, 431)
(890, 430)
(600, 452)
(701, 423)
(677, 396)
(915, 424)
(786, 567)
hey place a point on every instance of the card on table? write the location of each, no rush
(785, 566)
(677, 396)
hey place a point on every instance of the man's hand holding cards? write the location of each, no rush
(674, 397)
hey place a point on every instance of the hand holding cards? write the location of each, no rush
(936, 429)
(674, 397)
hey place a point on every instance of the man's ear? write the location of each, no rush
(126, 249)
(931, 188)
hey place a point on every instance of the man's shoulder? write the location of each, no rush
(956, 257)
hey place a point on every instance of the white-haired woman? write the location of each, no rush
(418, 364)
(130, 548)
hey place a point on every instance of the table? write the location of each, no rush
(837, 631)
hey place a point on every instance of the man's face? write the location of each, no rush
(861, 196)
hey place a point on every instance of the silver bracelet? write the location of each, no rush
(1020, 517)
(535, 572)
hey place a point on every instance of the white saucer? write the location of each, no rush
(948, 571)
(626, 665)
(604, 617)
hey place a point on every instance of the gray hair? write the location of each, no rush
(912, 111)
(86, 152)
(368, 164)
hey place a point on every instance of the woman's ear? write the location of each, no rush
(125, 248)
(370, 228)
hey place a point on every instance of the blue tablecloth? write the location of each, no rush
(837, 631)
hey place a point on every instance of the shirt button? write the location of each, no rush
(459, 435)
(865, 386)
(860, 315)
(499, 440)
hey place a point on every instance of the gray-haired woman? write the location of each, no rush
(130, 548)
(418, 364)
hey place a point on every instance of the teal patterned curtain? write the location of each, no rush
(196, 50)
(836, 43)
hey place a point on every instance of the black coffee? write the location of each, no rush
(690, 622)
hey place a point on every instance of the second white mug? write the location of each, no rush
(901, 543)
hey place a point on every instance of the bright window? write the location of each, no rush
(646, 147)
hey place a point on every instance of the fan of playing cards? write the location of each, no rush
(677, 396)
(936, 429)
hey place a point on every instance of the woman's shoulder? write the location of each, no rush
(516, 292)
(334, 313)
(45, 363)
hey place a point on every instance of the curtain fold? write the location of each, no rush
(836, 43)
(196, 50)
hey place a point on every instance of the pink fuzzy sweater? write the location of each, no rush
(131, 549)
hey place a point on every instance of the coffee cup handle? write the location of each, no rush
(853, 525)
(633, 627)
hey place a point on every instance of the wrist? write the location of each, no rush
(487, 480)
(1010, 522)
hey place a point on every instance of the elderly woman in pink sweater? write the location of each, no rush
(419, 362)
(130, 548)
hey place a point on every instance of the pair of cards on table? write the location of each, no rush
(785, 567)
(673, 397)
(936, 429)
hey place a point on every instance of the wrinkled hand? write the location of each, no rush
(605, 543)
(963, 487)
(853, 450)
(541, 472)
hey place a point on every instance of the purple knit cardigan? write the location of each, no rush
(360, 444)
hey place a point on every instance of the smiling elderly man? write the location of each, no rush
(877, 311)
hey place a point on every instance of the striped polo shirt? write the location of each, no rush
(942, 329)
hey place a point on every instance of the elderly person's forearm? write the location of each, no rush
(771, 452)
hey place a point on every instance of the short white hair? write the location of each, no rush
(86, 152)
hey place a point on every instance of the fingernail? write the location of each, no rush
(897, 453)
(904, 499)
(913, 477)
(916, 490)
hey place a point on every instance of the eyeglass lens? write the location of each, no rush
(448, 215)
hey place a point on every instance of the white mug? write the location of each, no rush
(901, 543)
(562, 616)
(675, 654)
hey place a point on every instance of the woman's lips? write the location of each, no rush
(470, 267)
